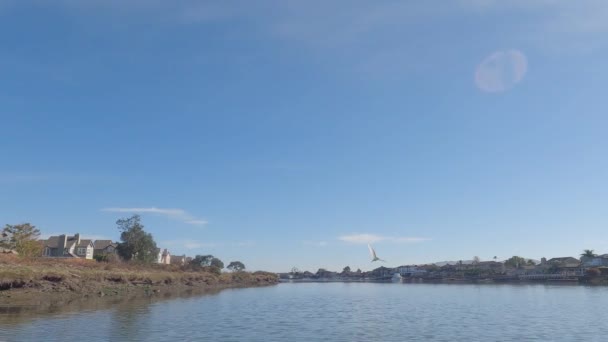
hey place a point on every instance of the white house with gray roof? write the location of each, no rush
(64, 246)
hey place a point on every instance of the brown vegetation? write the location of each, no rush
(48, 279)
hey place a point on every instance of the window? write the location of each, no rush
(82, 250)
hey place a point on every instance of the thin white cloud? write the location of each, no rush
(314, 243)
(361, 238)
(196, 222)
(373, 238)
(191, 244)
(557, 26)
(176, 214)
(348, 28)
(244, 244)
(187, 244)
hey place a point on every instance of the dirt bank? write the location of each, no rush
(45, 282)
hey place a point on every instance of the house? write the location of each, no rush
(325, 274)
(5, 243)
(564, 261)
(410, 271)
(380, 272)
(491, 266)
(163, 257)
(178, 260)
(597, 261)
(527, 270)
(64, 246)
(565, 266)
(447, 269)
(104, 247)
(4, 238)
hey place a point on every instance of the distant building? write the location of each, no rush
(4, 238)
(410, 271)
(4, 244)
(163, 257)
(178, 260)
(564, 261)
(380, 272)
(64, 246)
(492, 266)
(104, 247)
(566, 266)
(597, 261)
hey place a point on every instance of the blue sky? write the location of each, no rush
(286, 133)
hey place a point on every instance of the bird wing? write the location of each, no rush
(372, 252)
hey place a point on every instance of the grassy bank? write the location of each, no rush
(49, 281)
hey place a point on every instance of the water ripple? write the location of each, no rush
(341, 312)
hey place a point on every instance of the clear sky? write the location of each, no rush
(291, 133)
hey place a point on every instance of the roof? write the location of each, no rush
(565, 262)
(84, 243)
(53, 242)
(103, 244)
(562, 259)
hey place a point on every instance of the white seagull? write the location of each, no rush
(372, 253)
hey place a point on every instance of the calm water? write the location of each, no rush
(337, 312)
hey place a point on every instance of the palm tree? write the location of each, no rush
(588, 253)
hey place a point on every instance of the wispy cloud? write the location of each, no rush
(361, 238)
(314, 243)
(244, 244)
(373, 238)
(187, 244)
(176, 214)
(191, 244)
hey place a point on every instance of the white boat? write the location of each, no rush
(396, 278)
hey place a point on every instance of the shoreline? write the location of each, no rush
(50, 282)
(570, 281)
(15, 298)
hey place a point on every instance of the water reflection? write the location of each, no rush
(330, 312)
(129, 307)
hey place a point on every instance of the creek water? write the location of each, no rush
(332, 312)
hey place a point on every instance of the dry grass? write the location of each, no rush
(89, 276)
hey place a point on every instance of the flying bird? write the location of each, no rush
(372, 253)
